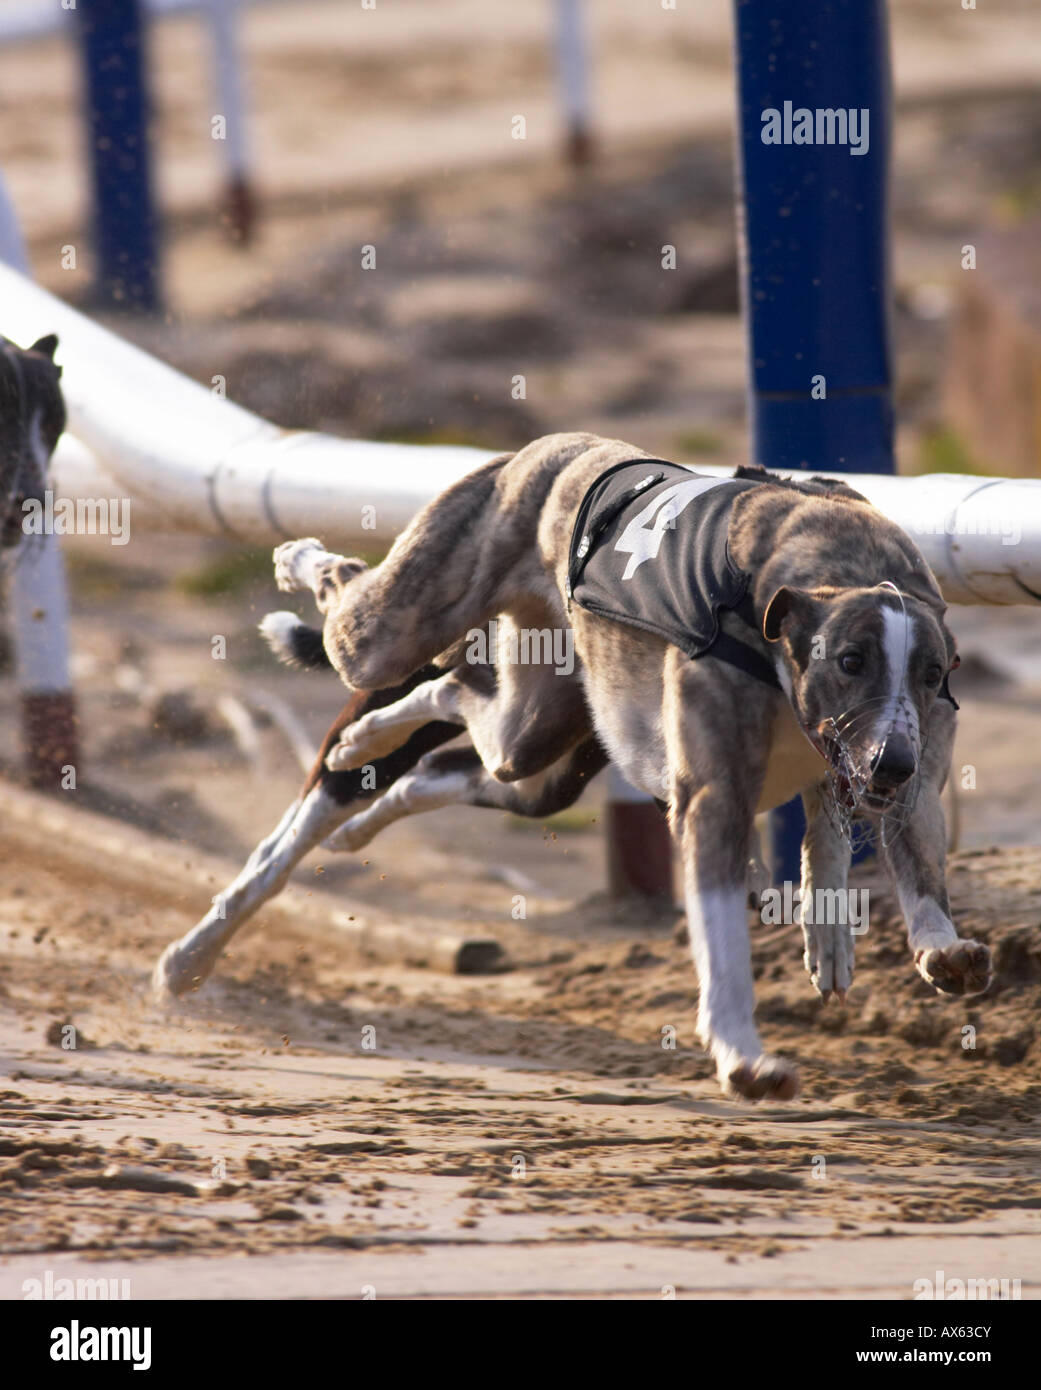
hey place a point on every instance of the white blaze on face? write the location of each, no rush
(898, 638)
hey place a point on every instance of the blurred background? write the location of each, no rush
(497, 256)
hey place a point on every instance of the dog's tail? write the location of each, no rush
(293, 642)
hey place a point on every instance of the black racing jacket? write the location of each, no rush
(649, 548)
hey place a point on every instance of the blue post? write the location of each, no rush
(816, 254)
(125, 225)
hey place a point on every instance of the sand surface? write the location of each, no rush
(312, 1125)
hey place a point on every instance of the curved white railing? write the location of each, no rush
(209, 465)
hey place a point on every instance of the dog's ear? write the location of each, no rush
(785, 603)
(46, 346)
(920, 589)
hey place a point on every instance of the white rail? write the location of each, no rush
(38, 19)
(209, 465)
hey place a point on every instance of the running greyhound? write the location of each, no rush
(735, 642)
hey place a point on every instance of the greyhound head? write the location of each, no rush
(862, 669)
(32, 417)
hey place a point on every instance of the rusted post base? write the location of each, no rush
(639, 845)
(579, 149)
(239, 214)
(50, 738)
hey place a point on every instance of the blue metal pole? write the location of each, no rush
(815, 273)
(125, 223)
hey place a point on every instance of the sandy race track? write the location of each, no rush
(309, 1125)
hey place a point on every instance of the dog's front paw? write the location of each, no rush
(294, 563)
(962, 968)
(765, 1078)
(829, 958)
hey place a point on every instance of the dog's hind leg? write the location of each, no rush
(326, 800)
(457, 777)
(306, 564)
(468, 555)
(825, 867)
(447, 570)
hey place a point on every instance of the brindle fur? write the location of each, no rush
(714, 743)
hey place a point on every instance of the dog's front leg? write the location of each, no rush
(825, 865)
(185, 964)
(717, 918)
(716, 767)
(916, 859)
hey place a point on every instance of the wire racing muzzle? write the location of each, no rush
(853, 748)
(873, 754)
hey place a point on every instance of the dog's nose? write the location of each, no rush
(894, 763)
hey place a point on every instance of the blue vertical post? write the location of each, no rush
(112, 41)
(815, 256)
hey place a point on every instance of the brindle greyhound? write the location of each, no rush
(841, 695)
(32, 417)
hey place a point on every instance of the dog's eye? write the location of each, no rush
(934, 675)
(852, 663)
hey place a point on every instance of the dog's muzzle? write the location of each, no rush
(893, 764)
(873, 772)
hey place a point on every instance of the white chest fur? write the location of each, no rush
(793, 765)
